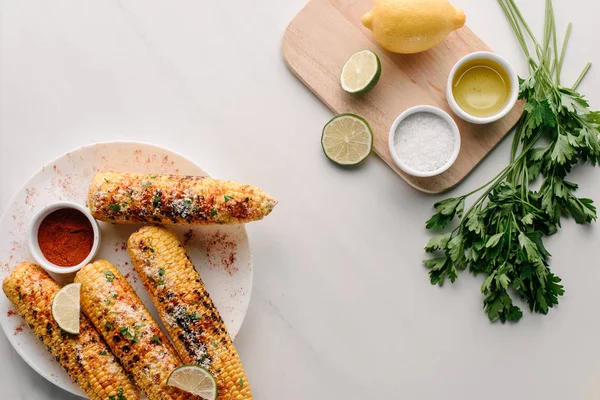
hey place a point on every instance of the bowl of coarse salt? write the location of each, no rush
(424, 141)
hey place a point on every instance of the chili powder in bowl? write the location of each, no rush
(63, 237)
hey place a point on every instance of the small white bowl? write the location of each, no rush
(34, 247)
(514, 87)
(424, 109)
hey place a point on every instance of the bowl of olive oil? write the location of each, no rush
(482, 87)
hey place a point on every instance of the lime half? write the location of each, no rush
(195, 380)
(66, 308)
(361, 72)
(347, 139)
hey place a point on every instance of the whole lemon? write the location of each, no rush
(412, 26)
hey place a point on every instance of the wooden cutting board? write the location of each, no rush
(325, 33)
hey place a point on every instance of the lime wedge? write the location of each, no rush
(347, 139)
(361, 72)
(195, 380)
(66, 308)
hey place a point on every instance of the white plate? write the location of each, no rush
(221, 254)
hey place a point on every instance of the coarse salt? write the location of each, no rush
(424, 141)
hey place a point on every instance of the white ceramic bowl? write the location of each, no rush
(512, 98)
(425, 109)
(34, 247)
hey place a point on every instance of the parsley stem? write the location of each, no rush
(563, 52)
(517, 12)
(554, 44)
(582, 75)
(499, 178)
(516, 27)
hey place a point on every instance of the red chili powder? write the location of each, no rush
(66, 237)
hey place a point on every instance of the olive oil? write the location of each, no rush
(481, 88)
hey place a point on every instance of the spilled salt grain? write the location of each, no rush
(424, 141)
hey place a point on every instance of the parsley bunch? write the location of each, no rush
(501, 233)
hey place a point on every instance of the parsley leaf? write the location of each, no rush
(114, 207)
(438, 242)
(494, 240)
(562, 151)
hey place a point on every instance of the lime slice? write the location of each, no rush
(347, 139)
(361, 72)
(66, 308)
(195, 380)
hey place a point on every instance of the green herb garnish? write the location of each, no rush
(103, 353)
(119, 396)
(160, 283)
(195, 316)
(161, 272)
(156, 339)
(213, 212)
(501, 234)
(107, 302)
(147, 184)
(115, 296)
(108, 325)
(132, 334)
(156, 200)
(126, 332)
(114, 207)
(109, 276)
(227, 198)
(241, 382)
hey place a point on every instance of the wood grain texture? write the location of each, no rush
(325, 33)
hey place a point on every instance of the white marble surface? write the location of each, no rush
(341, 308)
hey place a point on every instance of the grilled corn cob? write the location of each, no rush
(184, 306)
(86, 357)
(129, 198)
(129, 329)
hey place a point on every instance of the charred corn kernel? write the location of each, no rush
(132, 334)
(186, 309)
(129, 198)
(86, 357)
